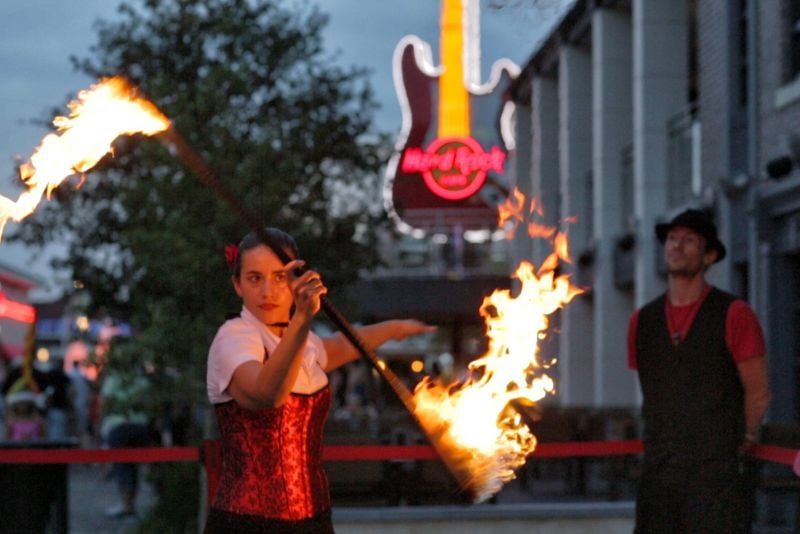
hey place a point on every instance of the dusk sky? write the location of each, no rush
(37, 37)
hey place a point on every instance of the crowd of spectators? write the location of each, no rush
(44, 402)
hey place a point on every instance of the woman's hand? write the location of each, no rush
(307, 289)
(404, 328)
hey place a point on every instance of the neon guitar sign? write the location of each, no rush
(454, 167)
(444, 161)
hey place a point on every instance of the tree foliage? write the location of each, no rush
(248, 84)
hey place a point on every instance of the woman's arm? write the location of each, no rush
(340, 351)
(255, 385)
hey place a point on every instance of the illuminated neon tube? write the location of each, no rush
(16, 311)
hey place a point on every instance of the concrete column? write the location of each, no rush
(545, 186)
(612, 109)
(544, 155)
(660, 59)
(521, 246)
(575, 162)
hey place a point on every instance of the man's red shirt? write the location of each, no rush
(743, 335)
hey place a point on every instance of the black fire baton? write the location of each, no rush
(185, 153)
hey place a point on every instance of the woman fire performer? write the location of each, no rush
(267, 381)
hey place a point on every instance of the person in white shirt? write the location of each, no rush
(267, 379)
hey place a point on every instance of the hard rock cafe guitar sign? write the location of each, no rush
(451, 155)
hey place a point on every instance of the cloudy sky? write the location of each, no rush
(37, 37)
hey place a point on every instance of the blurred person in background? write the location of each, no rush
(57, 390)
(23, 417)
(25, 403)
(81, 394)
(125, 423)
(81, 391)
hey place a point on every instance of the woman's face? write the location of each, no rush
(264, 285)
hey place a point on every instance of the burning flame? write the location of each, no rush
(97, 117)
(480, 437)
(509, 213)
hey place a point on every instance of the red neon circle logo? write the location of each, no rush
(453, 168)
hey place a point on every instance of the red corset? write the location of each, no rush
(272, 458)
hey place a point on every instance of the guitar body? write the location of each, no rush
(435, 184)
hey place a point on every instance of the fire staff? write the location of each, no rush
(700, 357)
(267, 381)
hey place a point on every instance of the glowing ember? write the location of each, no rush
(100, 114)
(479, 436)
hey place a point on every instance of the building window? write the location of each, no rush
(588, 215)
(627, 214)
(693, 57)
(740, 80)
(684, 178)
(793, 49)
(741, 51)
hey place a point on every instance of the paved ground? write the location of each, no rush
(91, 494)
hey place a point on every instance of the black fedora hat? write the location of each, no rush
(698, 221)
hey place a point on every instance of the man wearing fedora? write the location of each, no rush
(700, 357)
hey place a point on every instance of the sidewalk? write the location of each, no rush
(90, 494)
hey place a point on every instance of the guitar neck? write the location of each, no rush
(454, 112)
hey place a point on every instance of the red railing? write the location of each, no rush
(211, 455)
(770, 453)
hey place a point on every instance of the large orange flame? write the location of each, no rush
(97, 117)
(481, 438)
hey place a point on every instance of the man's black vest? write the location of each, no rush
(693, 401)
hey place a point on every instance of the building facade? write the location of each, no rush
(631, 111)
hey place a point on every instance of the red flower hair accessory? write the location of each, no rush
(231, 253)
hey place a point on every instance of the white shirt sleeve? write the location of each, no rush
(235, 343)
(322, 355)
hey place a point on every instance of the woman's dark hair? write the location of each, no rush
(252, 240)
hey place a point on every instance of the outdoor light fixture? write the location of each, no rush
(42, 355)
(779, 167)
(82, 323)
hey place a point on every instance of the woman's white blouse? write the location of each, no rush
(245, 338)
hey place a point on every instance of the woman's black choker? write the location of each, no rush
(279, 325)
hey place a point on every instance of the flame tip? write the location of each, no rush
(83, 138)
